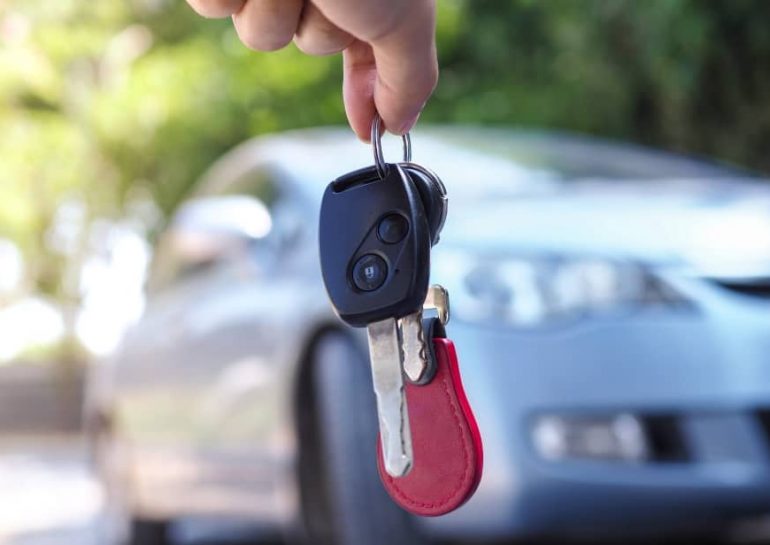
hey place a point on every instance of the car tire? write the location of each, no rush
(148, 532)
(359, 507)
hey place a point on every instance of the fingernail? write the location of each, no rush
(406, 127)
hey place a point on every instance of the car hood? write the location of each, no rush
(719, 228)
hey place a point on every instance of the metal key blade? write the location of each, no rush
(395, 435)
(413, 344)
(438, 298)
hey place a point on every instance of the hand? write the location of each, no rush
(389, 48)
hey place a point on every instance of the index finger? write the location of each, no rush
(393, 62)
(407, 68)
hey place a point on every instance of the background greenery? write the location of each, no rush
(104, 102)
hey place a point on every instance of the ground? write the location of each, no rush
(50, 497)
(47, 494)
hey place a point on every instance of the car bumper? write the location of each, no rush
(686, 374)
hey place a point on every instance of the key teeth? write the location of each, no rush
(437, 298)
(414, 353)
(392, 412)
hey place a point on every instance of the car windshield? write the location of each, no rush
(484, 163)
(569, 156)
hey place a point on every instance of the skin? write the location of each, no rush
(388, 48)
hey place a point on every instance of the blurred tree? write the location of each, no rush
(99, 100)
(685, 75)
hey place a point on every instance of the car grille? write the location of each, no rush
(751, 288)
(763, 415)
(666, 438)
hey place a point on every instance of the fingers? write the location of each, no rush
(317, 35)
(360, 77)
(389, 48)
(407, 68)
(402, 36)
(267, 25)
(216, 8)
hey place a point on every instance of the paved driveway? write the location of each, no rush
(48, 496)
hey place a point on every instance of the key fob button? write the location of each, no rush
(370, 272)
(353, 207)
(393, 228)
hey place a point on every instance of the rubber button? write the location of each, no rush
(370, 272)
(393, 228)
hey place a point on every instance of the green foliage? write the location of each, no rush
(98, 99)
(685, 75)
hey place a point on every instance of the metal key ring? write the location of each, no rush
(379, 158)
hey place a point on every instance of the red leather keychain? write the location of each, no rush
(447, 448)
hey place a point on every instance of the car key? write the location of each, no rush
(375, 260)
(448, 452)
(447, 447)
(377, 227)
(414, 345)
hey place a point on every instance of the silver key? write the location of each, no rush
(415, 358)
(438, 299)
(413, 343)
(397, 348)
(407, 204)
(386, 360)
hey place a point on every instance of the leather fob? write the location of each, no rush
(448, 454)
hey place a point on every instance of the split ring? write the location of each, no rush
(379, 159)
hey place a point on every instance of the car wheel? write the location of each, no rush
(118, 525)
(148, 532)
(359, 509)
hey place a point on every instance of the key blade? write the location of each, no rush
(413, 345)
(438, 298)
(395, 435)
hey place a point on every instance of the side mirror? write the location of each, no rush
(208, 229)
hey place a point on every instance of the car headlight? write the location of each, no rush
(533, 290)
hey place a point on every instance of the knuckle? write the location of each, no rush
(216, 8)
(385, 23)
(308, 45)
(320, 42)
(322, 27)
(319, 36)
(259, 40)
(275, 42)
(263, 42)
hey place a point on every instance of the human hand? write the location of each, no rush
(388, 47)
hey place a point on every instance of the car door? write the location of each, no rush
(224, 273)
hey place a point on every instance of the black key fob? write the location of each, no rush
(374, 245)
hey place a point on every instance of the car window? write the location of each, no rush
(261, 183)
(184, 252)
(574, 157)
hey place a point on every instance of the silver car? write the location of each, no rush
(611, 311)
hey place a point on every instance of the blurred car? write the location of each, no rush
(610, 309)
